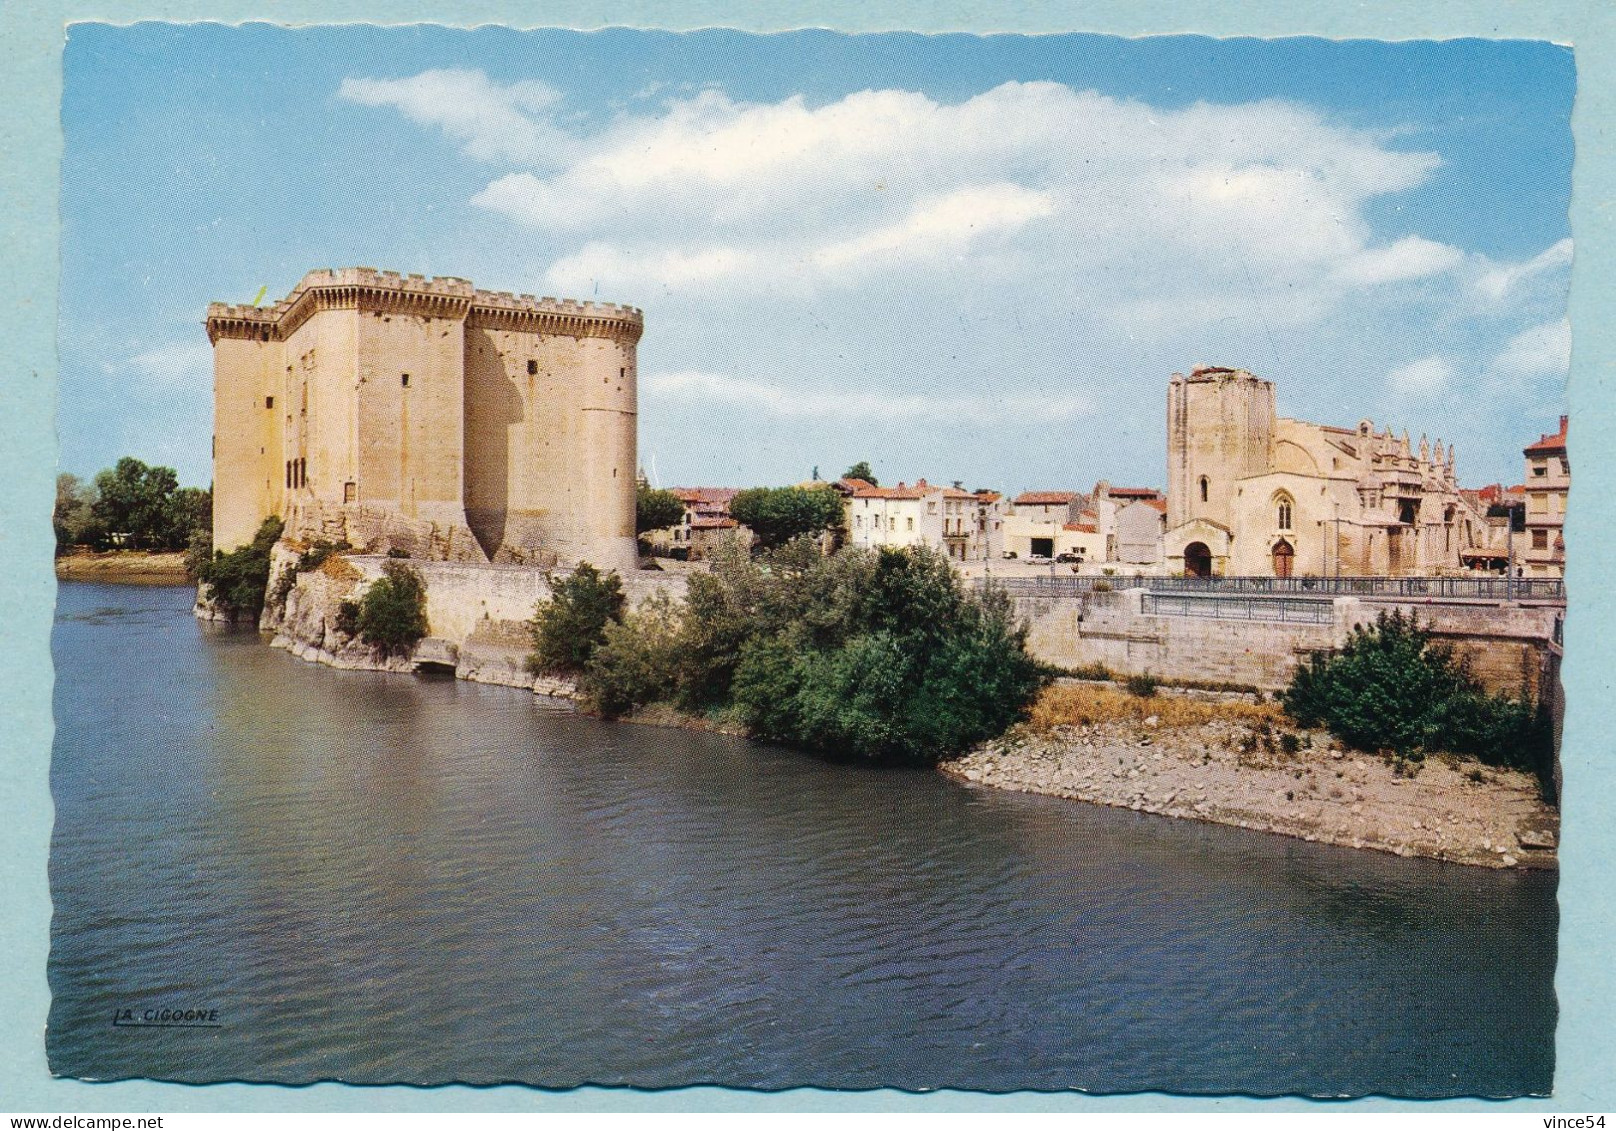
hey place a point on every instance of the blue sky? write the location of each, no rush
(957, 257)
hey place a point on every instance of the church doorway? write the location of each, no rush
(1284, 557)
(1197, 560)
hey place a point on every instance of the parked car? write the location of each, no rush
(1068, 556)
(1009, 553)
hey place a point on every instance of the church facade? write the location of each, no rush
(1251, 493)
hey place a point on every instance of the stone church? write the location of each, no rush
(423, 415)
(1255, 494)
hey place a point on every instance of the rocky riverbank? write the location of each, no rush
(1299, 784)
(125, 566)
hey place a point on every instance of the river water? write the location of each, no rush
(384, 878)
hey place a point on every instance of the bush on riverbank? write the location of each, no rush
(874, 654)
(237, 581)
(392, 613)
(1391, 688)
(568, 627)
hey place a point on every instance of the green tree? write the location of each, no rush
(392, 613)
(907, 668)
(637, 660)
(1392, 688)
(568, 627)
(860, 654)
(137, 500)
(238, 580)
(190, 513)
(656, 510)
(779, 514)
(862, 470)
(74, 518)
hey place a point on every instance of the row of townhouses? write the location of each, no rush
(1250, 493)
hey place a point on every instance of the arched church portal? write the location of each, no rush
(1197, 560)
(1284, 558)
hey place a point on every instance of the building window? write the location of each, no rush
(404, 380)
(532, 369)
(892, 523)
(269, 402)
(1540, 469)
(350, 491)
(1540, 539)
(1284, 514)
(1203, 488)
(911, 522)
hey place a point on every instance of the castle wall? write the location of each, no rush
(320, 418)
(412, 396)
(247, 438)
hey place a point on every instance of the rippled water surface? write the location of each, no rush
(386, 878)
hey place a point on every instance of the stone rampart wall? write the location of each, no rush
(477, 615)
(1507, 646)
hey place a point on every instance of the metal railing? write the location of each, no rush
(1486, 588)
(1473, 588)
(1289, 610)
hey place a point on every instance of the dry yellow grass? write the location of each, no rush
(338, 567)
(1082, 705)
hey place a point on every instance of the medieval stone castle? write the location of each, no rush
(401, 412)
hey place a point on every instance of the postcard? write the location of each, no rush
(995, 563)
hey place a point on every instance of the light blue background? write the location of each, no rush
(30, 148)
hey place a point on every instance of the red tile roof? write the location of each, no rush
(1081, 528)
(1140, 493)
(689, 495)
(1045, 498)
(862, 490)
(1547, 444)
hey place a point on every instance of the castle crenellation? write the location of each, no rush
(405, 286)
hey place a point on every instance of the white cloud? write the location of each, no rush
(174, 365)
(773, 400)
(1538, 351)
(1501, 281)
(494, 122)
(1412, 257)
(942, 226)
(1156, 205)
(1426, 377)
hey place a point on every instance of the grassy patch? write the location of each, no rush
(1079, 705)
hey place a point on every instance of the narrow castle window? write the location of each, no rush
(404, 380)
(269, 402)
(1284, 514)
(1203, 488)
(532, 369)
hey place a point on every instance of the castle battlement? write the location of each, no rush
(366, 288)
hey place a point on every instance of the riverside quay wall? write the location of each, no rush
(1259, 641)
(477, 615)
